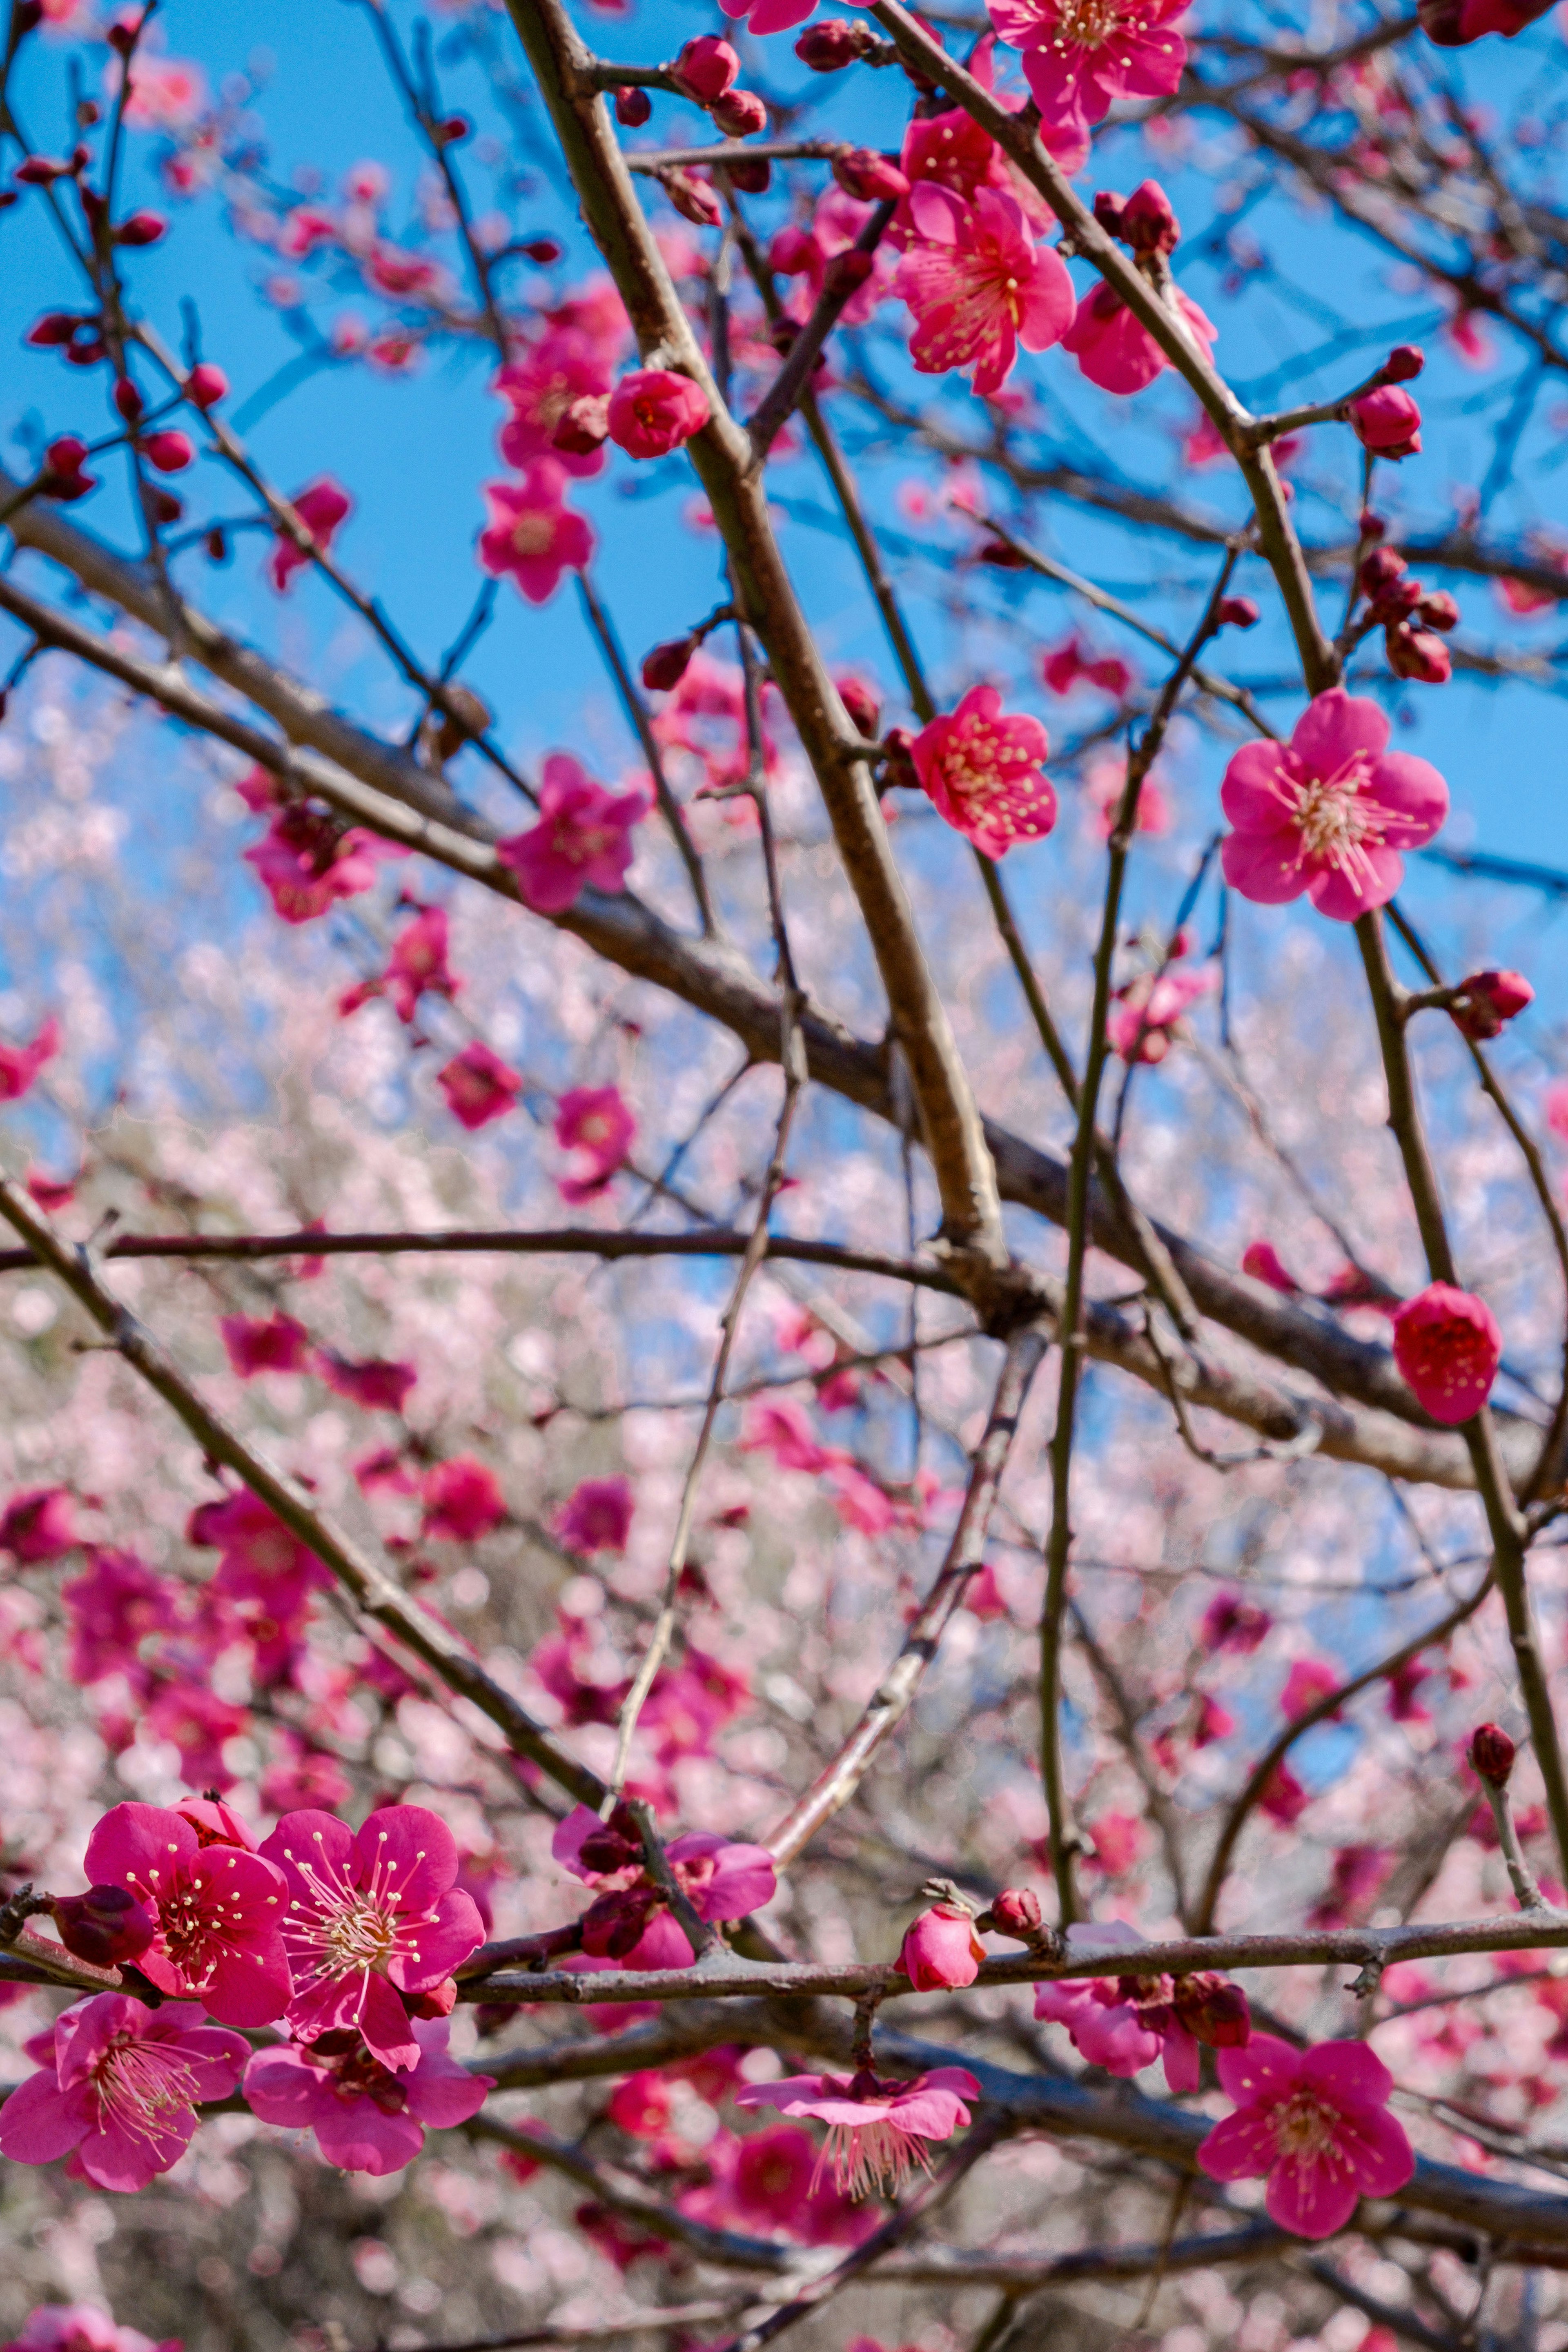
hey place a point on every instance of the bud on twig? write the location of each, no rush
(739, 114)
(834, 43)
(1483, 1002)
(869, 177)
(633, 107)
(667, 665)
(1491, 1754)
(106, 1926)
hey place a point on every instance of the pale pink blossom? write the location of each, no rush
(983, 771)
(367, 2117)
(584, 837)
(978, 284)
(1316, 2122)
(879, 2133)
(119, 2088)
(1330, 812)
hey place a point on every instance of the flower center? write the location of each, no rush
(1304, 2130)
(1336, 814)
(865, 2157)
(1089, 24)
(532, 533)
(137, 2085)
(357, 1933)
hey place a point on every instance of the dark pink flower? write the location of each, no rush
(1147, 1010)
(1080, 56)
(417, 964)
(200, 1724)
(462, 1500)
(540, 388)
(940, 1948)
(20, 1064)
(654, 411)
(979, 286)
(877, 2133)
(531, 536)
(1330, 812)
(378, 1384)
(1490, 999)
(321, 507)
(1115, 349)
(114, 1608)
(584, 837)
(79, 2327)
(307, 862)
(1387, 422)
(120, 2086)
(1263, 1262)
(38, 1525)
(597, 1516)
(984, 772)
(767, 2181)
(1070, 663)
(1284, 1800)
(1447, 1346)
(219, 1911)
(1231, 1622)
(477, 1085)
(596, 1123)
(276, 1344)
(367, 2117)
(1308, 1680)
(1358, 1874)
(1317, 2123)
(372, 1915)
(770, 15)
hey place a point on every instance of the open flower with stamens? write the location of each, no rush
(877, 2133)
(120, 2086)
(371, 1916)
(219, 1907)
(983, 772)
(366, 2117)
(1329, 812)
(1317, 2123)
(979, 286)
(1080, 56)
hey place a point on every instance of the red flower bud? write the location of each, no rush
(544, 250)
(752, 177)
(900, 773)
(1438, 610)
(665, 666)
(456, 127)
(1016, 1912)
(693, 198)
(1238, 612)
(141, 228)
(1370, 525)
(1387, 422)
(123, 39)
(739, 114)
(167, 506)
(1148, 223)
(42, 171)
(63, 477)
(869, 177)
(54, 327)
(170, 452)
(706, 67)
(1380, 570)
(1491, 1754)
(205, 385)
(584, 425)
(847, 271)
(864, 707)
(1417, 654)
(1488, 999)
(615, 1923)
(127, 399)
(1404, 361)
(103, 1927)
(633, 107)
(834, 43)
(1213, 2009)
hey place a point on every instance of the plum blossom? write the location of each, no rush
(307, 862)
(417, 964)
(367, 2117)
(596, 1123)
(275, 1343)
(597, 1516)
(1072, 663)
(770, 15)
(984, 772)
(940, 1948)
(1447, 1346)
(1330, 812)
(462, 1500)
(477, 1085)
(119, 2088)
(1124, 2023)
(531, 536)
(563, 366)
(219, 1910)
(878, 2134)
(1080, 55)
(582, 838)
(1147, 1012)
(724, 1879)
(768, 2181)
(1316, 2122)
(1114, 347)
(979, 286)
(654, 411)
(38, 1525)
(322, 506)
(376, 1384)
(20, 1064)
(79, 2327)
(372, 1915)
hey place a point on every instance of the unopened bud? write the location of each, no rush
(834, 43)
(1370, 525)
(544, 250)
(206, 385)
(665, 666)
(1213, 2009)
(616, 1924)
(121, 38)
(584, 425)
(1488, 999)
(864, 705)
(141, 228)
(1438, 610)
(739, 114)
(847, 271)
(103, 1927)
(693, 199)
(170, 452)
(1380, 570)
(1417, 655)
(216, 544)
(1404, 363)
(1016, 1912)
(1238, 612)
(1491, 1754)
(167, 506)
(706, 67)
(752, 176)
(456, 128)
(898, 772)
(127, 399)
(633, 107)
(54, 327)
(869, 178)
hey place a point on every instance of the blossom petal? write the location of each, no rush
(1242, 2148)
(138, 1847)
(1264, 867)
(1415, 792)
(1264, 2070)
(1347, 2073)
(1344, 897)
(1335, 727)
(1310, 2198)
(40, 2122)
(1258, 793)
(410, 1852)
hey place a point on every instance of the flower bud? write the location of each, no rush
(665, 666)
(121, 38)
(584, 425)
(127, 399)
(1380, 570)
(615, 1923)
(1387, 422)
(544, 250)
(1417, 655)
(54, 327)
(1404, 362)
(456, 128)
(739, 114)
(1491, 1755)
(41, 170)
(847, 271)
(63, 475)
(206, 385)
(103, 1927)
(141, 228)
(1438, 610)
(1488, 999)
(1213, 2010)
(898, 772)
(633, 107)
(1238, 612)
(216, 544)
(1148, 223)
(752, 177)
(170, 452)
(693, 198)
(615, 1844)
(706, 67)
(1369, 525)
(869, 177)
(941, 1950)
(167, 506)
(863, 705)
(1016, 1912)
(834, 43)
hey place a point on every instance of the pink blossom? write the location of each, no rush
(166, 93)
(417, 964)
(378, 1385)
(462, 1500)
(1109, 2028)
(307, 862)
(770, 15)
(51, 1193)
(37, 1524)
(940, 1948)
(114, 1608)
(779, 1426)
(1231, 1622)
(367, 2117)
(597, 1516)
(1115, 349)
(276, 1344)
(597, 1124)
(302, 1778)
(654, 411)
(879, 2133)
(1360, 1873)
(219, 1911)
(1263, 1262)
(984, 772)
(1330, 812)
(477, 1085)
(79, 2327)
(1317, 2123)
(1284, 1800)
(1147, 1010)
(979, 286)
(531, 535)
(372, 1915)
(584, 837)
(768, 2181)
(1070, 663)
(1308, 1680)
(540, 388)
(20, 1064)
(1117, 1840)
(321, 507)
(120, 2086)
(1080, 55)
(1447, 1346)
